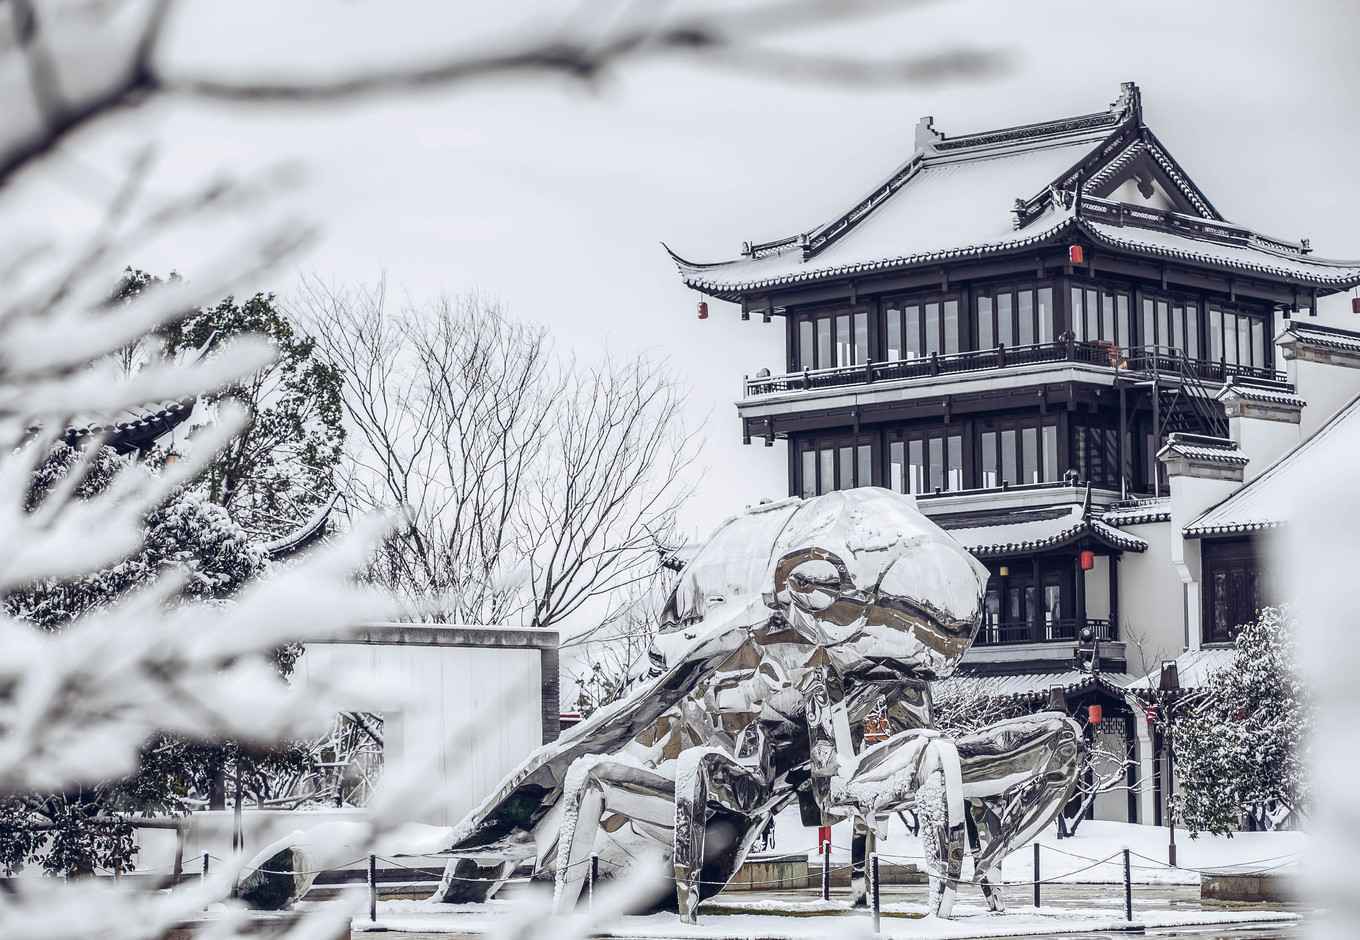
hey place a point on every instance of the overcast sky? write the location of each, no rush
(555, 198)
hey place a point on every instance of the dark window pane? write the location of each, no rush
(843, 339)
(1024, 313)
(806, 358)
(861, 337)
(917, 466)
(847, 461)
(809, 473)
(1050, 433)
(951, 326)
(954, 478)
(1008, 457)
(989, 477)
(936, 464)
(1045, 314)
(932, 328)
(985, 339)
(823, 342)
(894, 318)
(897, 471)
(913, 337)
(1005, 321)
(1029, 455)
(864, 473)
(1079, 454)
(1078, 318)
(827, 481)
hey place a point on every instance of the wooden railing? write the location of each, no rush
(1141, 360)
(1062, 630)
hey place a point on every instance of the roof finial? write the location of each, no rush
(926, 135)
(1129, 103)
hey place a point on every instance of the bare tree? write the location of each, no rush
(531, 487)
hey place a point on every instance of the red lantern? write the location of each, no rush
(1076, 254)
(1088, 559)
(703, 310)
(1094, 713)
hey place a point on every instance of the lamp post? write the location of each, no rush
(1169, 685)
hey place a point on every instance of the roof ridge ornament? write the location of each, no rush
(926, 135)
(1129, 103)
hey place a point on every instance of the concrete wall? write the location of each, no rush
(1151, 609)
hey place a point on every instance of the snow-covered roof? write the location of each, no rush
(1138, 512)
(133, 429)
(999, 191)
(1322, 337)
(1268, 499)
(1026, 685)
(1239, 389)
(311, 529)
(1193, 669)
(1020, 531)
(1204, 448)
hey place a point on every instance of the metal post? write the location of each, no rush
(1170, 785)
(1128, 889)
(372, 887)
(873, 867)
(594, 873)
(1036, 874)
(205, 866)
(826, 870)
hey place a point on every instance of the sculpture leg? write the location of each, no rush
(859, 855)
(992, 893)
(706, 780)
(594, 785)
(1017, 775)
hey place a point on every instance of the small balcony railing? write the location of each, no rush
(1141, 360)
(1058, 630)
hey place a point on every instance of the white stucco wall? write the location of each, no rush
(1150, 605)
(1262, 440)
(1326, 387)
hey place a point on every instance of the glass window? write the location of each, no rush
(955, 456)
(1029, 455)
(809, 474)
(1045, 314)
(932, 328)
(1092, 313)
(1178, 327)
(951, 326)
(1163, 324)
(896, 466)
(1005, 334)
(843, 339)
(913, 331)
(1258, 345)
(936, 464)
(917, 463)
(1192, 331)
(894, 317)
(1079, 454)
(1244, 354)
(1024, 307)
(823, 342)
(827, 481)
(1052, 606)
(864, 472)
(847, 461)
(984, 323)
(806, 358)
(1078, 319)
(1215, 335)
(989, 477)
(1149, 325)
(861, 337)
(1008, 457)
(1050, 433)
(1107, 318)
(1125, 328)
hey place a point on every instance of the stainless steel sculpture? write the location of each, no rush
(793, 622)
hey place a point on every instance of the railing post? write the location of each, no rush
(807, 379)
(1128, 889)
(1001, 355)
(868, 371)
(826, 870)
(204, 875)
(935, 363)
(873, 868)
(372, 888)
(1036, 874)
(594, 873)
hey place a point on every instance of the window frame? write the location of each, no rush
(898, 303)
(831, 315)
(1012, 291)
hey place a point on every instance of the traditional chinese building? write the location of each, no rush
(1050, 335)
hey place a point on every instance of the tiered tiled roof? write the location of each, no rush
(1321, 337)
(1031, 687)
(133, 430)
(1139, 512)
(1203, 448)
(1267, 500)
(999, 191)
(1250, 391)
(1022, 531)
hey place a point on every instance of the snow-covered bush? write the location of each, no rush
(1241, 749)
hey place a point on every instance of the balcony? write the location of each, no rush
(1142, 361)
(996, 633)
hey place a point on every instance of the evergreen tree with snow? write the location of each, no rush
(1240, 746)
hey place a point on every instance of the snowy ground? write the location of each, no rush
(1073, 860)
